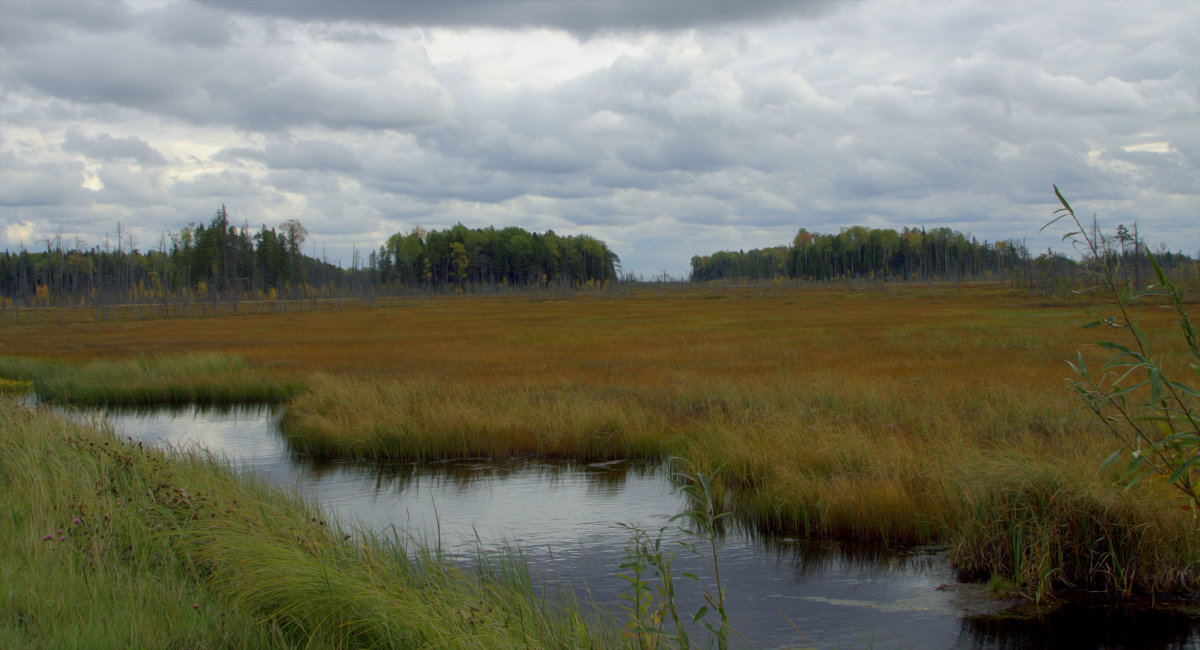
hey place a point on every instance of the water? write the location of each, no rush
(563, 518)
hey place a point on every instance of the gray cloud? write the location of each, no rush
(26, 184)
(254, 83)
(34, 21)
(105, 147)
(210, 186)
(126, 187)
(188, 24)
(668, 129)
(312, 155)
(581, 18)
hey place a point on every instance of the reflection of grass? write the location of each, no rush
(899, 417)
(201, 378)
(106, 544)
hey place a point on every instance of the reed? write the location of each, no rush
(107, 544)
(210, 378)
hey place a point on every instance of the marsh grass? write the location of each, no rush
(105, 543)
(210, 378)
(368, 419)
(15, 386)
(1049, 532)
(874, 417)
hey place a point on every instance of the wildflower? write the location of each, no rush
(47, 537)
(77, 521)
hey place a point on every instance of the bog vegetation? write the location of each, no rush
(912, 414)
(889, 413)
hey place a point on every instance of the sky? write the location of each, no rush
(666, 128)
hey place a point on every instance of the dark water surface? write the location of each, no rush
(563, 518)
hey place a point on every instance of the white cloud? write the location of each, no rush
(20, 233)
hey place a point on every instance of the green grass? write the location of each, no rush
(15, 386)
(106, 544)
(210, 378)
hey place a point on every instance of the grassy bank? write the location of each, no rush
(373, 419)
(211, 378)
(912, 415)
(1006, 481)
(107, 544)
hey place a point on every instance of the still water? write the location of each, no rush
(564, 519)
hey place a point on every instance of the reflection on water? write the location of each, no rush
(1094, 625)
(782, 592)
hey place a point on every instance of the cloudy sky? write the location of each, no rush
(665, 128)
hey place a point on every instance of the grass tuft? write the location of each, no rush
(365, 419)
(1049, 531)
(210, 378)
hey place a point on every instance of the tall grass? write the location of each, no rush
(210, 378)
(804, 455)
(1049, 531)
(365, 419)
(865, 417)
(106, 544)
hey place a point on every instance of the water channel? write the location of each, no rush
(564, 519)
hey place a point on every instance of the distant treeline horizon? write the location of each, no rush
(917, 254)
(218, 261)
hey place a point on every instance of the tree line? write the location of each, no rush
(219, 261)
(917, 254)
(462, 257)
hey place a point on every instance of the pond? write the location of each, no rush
(564, 520)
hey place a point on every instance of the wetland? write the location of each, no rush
(885, 456)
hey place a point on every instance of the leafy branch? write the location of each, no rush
(1153, 415)
(650, 609)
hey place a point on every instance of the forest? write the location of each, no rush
(221, 261)
(938, 254)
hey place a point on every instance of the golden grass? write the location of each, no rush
(15, 386)
(643, 341)
(836, 414)
(430, 420)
